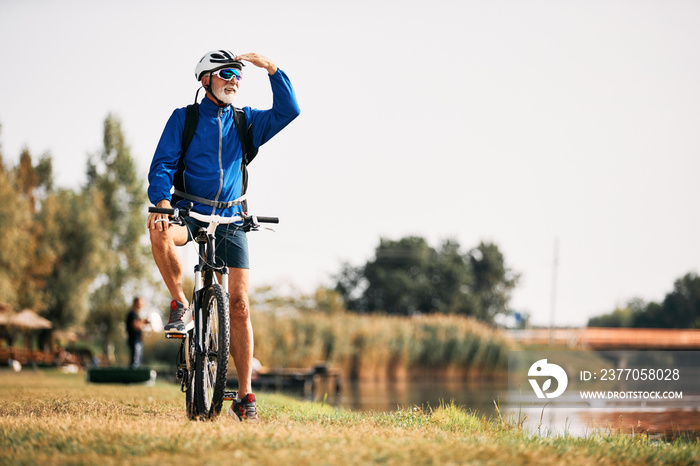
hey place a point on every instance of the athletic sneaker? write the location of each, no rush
(244, 410)
(180, 318)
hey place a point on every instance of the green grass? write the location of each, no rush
(51, 418)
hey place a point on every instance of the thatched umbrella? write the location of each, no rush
(29, 319)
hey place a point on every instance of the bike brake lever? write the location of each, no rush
(260, 228)
(175, 221)
(255, 226)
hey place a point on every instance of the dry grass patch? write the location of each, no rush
(47, 418)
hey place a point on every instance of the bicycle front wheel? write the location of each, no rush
(190, 401)
(211, 366)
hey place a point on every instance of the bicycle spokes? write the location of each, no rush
(212, 356)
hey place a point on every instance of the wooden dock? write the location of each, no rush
(312, 382)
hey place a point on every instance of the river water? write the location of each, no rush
(491, 400)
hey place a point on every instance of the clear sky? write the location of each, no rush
(523, 123)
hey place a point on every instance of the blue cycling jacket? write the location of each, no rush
(213, 163)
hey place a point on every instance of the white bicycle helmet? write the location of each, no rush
(216, 60)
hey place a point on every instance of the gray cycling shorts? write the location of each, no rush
(231, 243)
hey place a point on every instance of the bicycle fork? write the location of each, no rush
(206, 242)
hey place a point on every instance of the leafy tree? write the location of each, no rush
(51, 242)
(15, 219)
(493, 281)
(33, 183)
(43, 248)
(651, 316)
(23, 267)
(399, 279)
(69, 240)
(20, 274)
(679, 309)
(452, 281)
(408, 277)
(118, 201)
(682, 305)
(350, 286)
(621, 317)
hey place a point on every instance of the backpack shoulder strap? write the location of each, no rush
(245, 135)
(249, 149)
(191, 121)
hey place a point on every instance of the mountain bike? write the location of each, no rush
(202, 360)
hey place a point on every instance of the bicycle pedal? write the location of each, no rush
(175, 336)
(230, 396)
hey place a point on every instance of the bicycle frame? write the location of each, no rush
(207, 249)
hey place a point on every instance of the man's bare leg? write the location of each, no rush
(241, 328)
(164, 248)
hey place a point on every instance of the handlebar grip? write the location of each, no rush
(160, 210)
(268, 219)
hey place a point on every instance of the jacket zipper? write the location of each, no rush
(221, 165)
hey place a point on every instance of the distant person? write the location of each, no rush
(212, 174)
(134, 329)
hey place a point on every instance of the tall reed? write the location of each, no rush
(378, 346)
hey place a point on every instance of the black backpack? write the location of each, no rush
(245, 136)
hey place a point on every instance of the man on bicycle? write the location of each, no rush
(214, 181)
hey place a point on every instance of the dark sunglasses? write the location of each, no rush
(227, 74)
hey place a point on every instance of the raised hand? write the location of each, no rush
(259, 61)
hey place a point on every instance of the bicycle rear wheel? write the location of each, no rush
(211, 367)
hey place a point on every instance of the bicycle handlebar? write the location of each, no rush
(179, 213)
(268, 219)
(160, 210)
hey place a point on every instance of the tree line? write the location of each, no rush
(408, 277)
(72, 253)
(679, 309)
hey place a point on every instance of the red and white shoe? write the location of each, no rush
(180, 319)
(244, 409)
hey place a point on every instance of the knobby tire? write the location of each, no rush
(190, 402)
(211, 367)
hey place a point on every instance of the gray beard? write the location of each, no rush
(222, 96)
